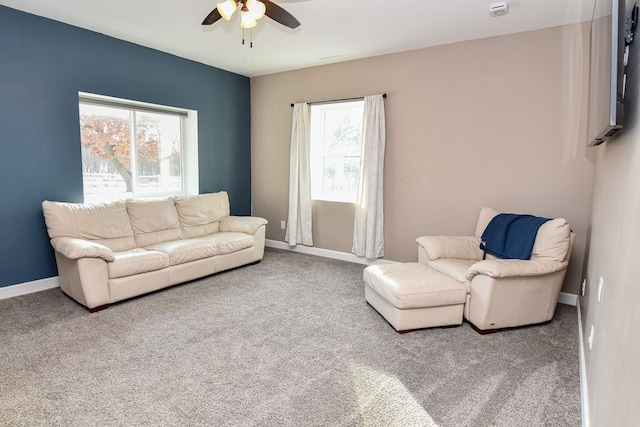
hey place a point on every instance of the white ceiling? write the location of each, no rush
(331, 30)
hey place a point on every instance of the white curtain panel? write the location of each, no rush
(299, 221)
(368, 233)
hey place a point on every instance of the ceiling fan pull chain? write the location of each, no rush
(251, 38)
(243, 36)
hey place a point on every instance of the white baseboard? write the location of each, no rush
(29, 287)
(584, 394)
(326, 253)
(569, 299)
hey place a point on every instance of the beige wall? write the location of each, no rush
(613, 370)
(498, 122)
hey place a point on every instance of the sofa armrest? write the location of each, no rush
(514, 268)
(244, 224)
(74, 248)
(460, 247)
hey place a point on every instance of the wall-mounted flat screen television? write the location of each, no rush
(607, 72)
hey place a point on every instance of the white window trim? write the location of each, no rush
(316, 154)
(191, 185)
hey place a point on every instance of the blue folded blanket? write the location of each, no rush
(511, 235)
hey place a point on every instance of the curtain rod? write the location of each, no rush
(384, 95)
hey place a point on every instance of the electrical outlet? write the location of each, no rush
(584, 286)
(283, 225)
(590, 339)
(600, 285)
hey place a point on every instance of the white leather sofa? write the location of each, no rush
(503, 293)
(109, 252)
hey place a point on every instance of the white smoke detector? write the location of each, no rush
(499, 9)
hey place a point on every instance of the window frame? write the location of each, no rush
(188, 149)
(316, 150)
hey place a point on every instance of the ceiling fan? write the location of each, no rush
(251, 11)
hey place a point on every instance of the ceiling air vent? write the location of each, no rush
(499, 9)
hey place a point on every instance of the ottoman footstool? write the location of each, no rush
(414, 296)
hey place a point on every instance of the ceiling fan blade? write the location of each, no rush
(280, 15)
(212, 17)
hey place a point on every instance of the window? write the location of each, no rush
(336, 138)
(135, 149)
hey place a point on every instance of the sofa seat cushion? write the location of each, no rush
(228, 242)
(136, 261)
(181, 251)
(414, 285)
(454, 267)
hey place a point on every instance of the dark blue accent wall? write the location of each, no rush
(43, 65)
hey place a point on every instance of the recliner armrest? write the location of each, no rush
(514, 267)
(460, 247)
(244, 224)
(74, 248)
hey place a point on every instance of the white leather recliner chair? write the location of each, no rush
(503, 293)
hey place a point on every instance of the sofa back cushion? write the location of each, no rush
(485, 217)
(200, 215)
(154, 220)
(104, 223)
(552, 241)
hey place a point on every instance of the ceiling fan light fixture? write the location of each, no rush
(227, 8)
(256, 8)
(247, 21)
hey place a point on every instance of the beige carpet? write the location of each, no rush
(287, 342)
